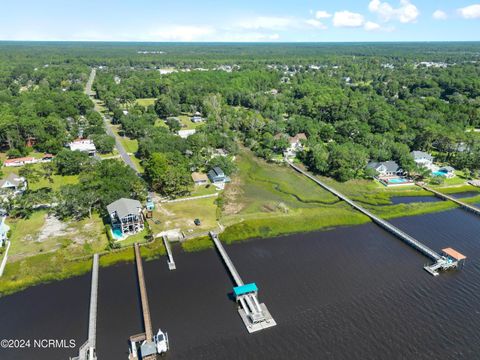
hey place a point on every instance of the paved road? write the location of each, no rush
(121, 150)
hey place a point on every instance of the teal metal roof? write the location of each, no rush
(245, 289)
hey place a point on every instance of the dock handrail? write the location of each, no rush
(443, 196)
(143, 294)
(226, 259)
(384, 224)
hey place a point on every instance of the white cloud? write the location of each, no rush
(348, 19)
(266, 23)
(439, 15)
(470, 12)
(371, 26)
(405, 13)
(180, 33)
(316, 24)
(322, 14)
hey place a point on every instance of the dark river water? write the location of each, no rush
(413, 199)
(348, 293)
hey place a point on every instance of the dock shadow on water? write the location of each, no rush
(348, 293)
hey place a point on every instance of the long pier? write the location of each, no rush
(441, 262)
(226, 259)
(149, 345)
(171, 262)
(442, 196)
(255, 315)
(88, 350)
(147, 321)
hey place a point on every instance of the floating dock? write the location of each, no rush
(441, 262)
(87, 350)
(442, 196)
(255, 315)
(145, 345)
(171, 263)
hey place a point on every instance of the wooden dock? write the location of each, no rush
(147, 321)
(441, 263)
(226, 259)
(171, 262)
(255, 315)
(442, 196)
(88, 350)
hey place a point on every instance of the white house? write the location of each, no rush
(13, 185)
(83, 145)
(20, 161)
(197, 117)
(422, 159)
(386, 168)
(295, 145)
(4, 228)
(186, 133)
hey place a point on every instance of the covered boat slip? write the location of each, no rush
(245, 289)
(254, 314)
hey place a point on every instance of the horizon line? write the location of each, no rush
(242, 42)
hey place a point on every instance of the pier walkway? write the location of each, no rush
(441, 262)
(149, 345)
(171, 262)
(88, 350)
(442, 196)
(255, 315)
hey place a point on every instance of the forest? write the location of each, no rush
(355, 103)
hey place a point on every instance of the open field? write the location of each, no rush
(145, 102)
(44, 249)
(181, 216)
(42, 233)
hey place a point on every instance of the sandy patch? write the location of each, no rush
(52, 228)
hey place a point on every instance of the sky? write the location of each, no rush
(240, 20)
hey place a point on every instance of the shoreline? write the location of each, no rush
(250, 229)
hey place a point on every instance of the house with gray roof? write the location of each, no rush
(126, 217)
(422, 159)
(13, 185)
(386, 168)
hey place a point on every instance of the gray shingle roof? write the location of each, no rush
(13, 179)
(421, 155)
(390, 166)
(123, 207)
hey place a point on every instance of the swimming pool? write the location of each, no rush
(397, 181)
(117, 233)
(438, 173)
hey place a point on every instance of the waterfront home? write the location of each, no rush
(216, 175)
(446, 171)
(13, 185)
(83, 145)
(199, 178)
(386, 168)
(422, 159)
(4, 228)
(126, 217)
(295, 145)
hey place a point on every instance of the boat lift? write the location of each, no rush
(255, 315)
